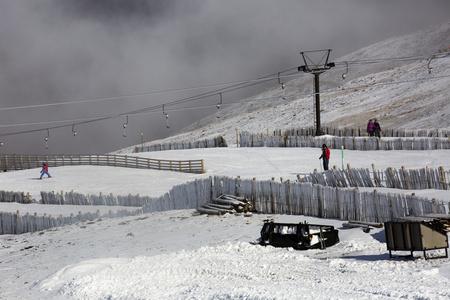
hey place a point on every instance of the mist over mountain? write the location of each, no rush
(418, 101)
(88, 66)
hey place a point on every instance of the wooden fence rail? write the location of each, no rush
(350, 143)
(10, 162)
(265, 196)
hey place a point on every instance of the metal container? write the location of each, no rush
(414, 236)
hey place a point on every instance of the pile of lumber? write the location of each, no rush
(442, 225)
(226, 204)
(366, 226)
(438, 222)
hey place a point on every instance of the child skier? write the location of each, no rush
(44, 171)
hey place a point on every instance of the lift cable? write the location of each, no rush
(95, 119)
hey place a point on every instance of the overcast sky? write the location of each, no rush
(54, 52)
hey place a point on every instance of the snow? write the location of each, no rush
(179, 255)
(260, 163)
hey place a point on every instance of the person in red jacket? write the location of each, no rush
(325, 156)
(44, 171)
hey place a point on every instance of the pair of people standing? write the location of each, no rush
(374, 128)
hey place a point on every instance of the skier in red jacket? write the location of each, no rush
(326, 156)
(44, 171)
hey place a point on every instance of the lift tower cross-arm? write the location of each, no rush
(316, 69)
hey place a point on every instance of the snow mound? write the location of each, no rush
(244, 271)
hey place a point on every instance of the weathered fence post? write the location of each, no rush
(288, 196)
(442, 173)
(405, 178)
(350, 176)
(272, 196)
(375, 177)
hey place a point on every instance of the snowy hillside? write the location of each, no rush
(180, 255)
(176, 255)
(418, 101)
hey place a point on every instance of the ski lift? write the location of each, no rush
(346, 71)
(167, 117)
(282, 84)
(430, 69)
(124, 127)
(218, 105)
(73, 130)
(46, 139)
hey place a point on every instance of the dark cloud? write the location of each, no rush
(61, 51)
(119, 12)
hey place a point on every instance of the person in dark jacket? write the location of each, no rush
(370, 128)
(44, 171)
(377, 129)
(325, 156)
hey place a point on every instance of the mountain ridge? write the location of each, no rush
(401, 94)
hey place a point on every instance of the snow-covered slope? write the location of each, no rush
(175, 255)
(418, 101)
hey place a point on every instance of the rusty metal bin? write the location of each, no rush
(414, 236)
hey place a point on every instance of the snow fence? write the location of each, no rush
(361, 132)
(216, 142)
(268, 197)
(409, 179)
(347, 142)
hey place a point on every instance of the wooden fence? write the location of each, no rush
(265, 196)
(73, 198)
(359, 132)
(326, 202)
(9, 162)
(18, 197)
(350, 143)
(185, 196)
(207, 143)
(15, 223)
(414, 179)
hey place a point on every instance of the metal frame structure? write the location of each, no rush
(316, 69)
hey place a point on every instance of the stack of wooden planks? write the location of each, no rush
(226, 204)
(366, 226)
